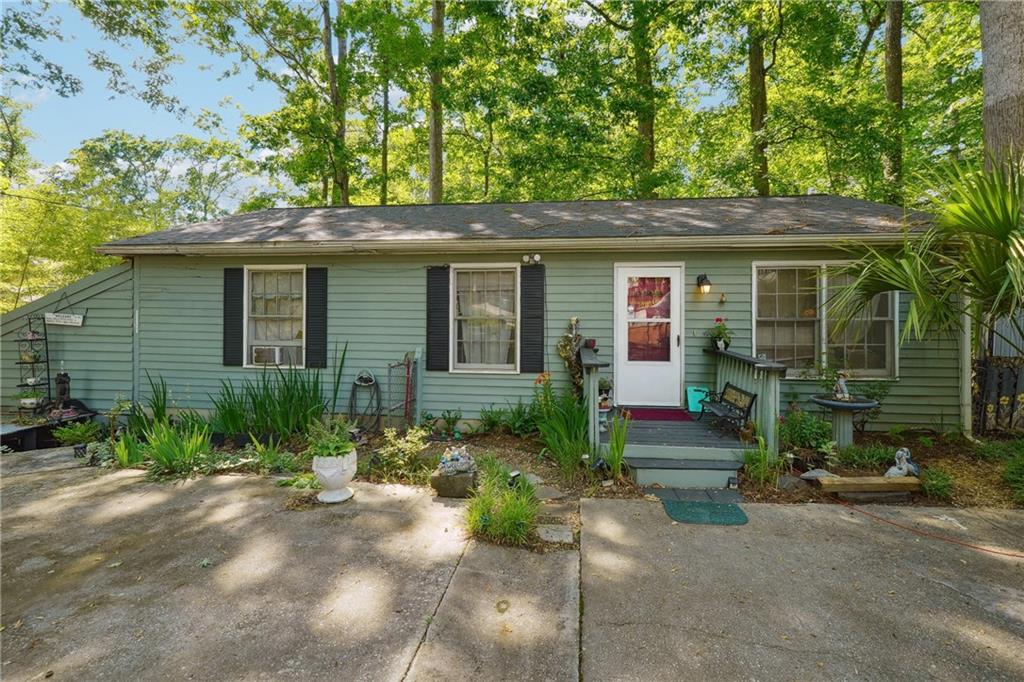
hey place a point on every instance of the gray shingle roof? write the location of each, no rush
(744, 216)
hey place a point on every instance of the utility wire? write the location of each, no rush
(61, 203)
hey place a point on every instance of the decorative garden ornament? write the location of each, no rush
(334, 474)
(904, 465)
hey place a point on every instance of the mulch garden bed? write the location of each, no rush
(977, 482)
(524, 454)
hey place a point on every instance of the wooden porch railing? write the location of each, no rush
(757, 376)
(591, 378)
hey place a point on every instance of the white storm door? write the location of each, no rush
(648, 331)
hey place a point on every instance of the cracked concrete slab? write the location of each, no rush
(801, 592)
(509, 614)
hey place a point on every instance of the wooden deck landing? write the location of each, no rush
(678, 434)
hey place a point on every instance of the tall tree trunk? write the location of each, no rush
(384, 135)
(385, 118)
(339, 104)
(436, 142)
(892, 159)
(758, 105)
(640, 39)
(1002, 61)
(343, 88)
(489, 118)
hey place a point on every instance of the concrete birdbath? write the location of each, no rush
(842, 414)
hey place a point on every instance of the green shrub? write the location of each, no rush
(869, 456)
(99, 453)
(176, 453)
(77, 433)
(398, 458)
(1013, 476)
(189, 419)
(521, 419)
(937, 483)
(499, 513)
(451, 419)
(562, 424)
(615, 454)
(230, 411)
(926, 442)
(128, 451)
(158, 398)
(802, 429)
(492, 418)
(284, 402)
(996, 450)
(761, 465)
(270, 459)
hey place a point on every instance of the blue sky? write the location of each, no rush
(60, 124)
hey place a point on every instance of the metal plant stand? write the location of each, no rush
(401, 403)
(34, 364)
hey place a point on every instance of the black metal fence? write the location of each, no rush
(998, 394)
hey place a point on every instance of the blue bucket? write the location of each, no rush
(694, 394)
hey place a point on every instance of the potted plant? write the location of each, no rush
(29, 399)
(29, 356)
(720, 334)
(604, 387)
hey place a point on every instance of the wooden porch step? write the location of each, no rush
(683, 464)
(683, 473)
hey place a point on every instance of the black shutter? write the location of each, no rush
(437, 317)
(234, 335)
(316, 317)
(531, 333)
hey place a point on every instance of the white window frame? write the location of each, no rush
(822, 346)
(452, 337)
(247, 342)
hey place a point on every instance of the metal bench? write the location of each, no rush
(731, 407)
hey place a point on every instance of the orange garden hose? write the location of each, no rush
(930, 535)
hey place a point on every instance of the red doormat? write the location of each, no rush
(659, 414)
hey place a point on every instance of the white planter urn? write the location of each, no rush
(334, 474)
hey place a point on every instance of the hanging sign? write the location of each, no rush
(65, 319)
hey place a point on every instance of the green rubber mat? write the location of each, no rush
(706, 513)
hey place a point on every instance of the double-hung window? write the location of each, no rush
(793, 325)
(485, 318)
(275, 315)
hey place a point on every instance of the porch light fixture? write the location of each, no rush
(703, 284)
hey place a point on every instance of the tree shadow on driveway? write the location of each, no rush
(801, 591)
(107, 574)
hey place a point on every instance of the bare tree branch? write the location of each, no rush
(775, 38)
(607, 17)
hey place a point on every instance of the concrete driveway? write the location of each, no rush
(801, 592)
(105, 574)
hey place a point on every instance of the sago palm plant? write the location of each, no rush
(969, 263)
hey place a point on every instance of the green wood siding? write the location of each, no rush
(97, 355)
(377, 305)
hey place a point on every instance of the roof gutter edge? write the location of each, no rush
(411, 246)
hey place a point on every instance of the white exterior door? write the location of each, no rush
(648, 335)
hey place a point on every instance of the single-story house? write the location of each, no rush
(483, 292)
